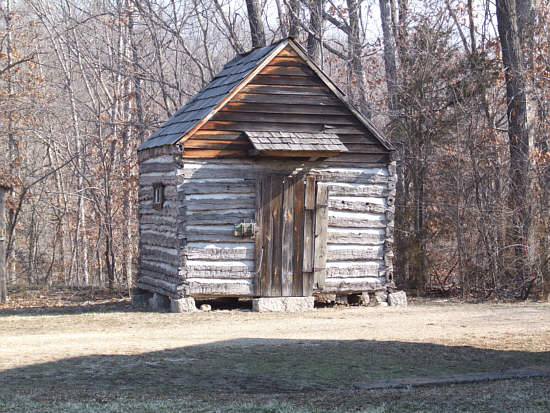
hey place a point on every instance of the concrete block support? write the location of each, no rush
(183, 305)
(283, 304)
(398, 299)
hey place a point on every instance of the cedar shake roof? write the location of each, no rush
(236, 74)
(293, 141)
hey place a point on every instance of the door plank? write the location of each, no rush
(258, 238)
(310, 193)
(276, 212)
(287, 218)
(308, 243)
(267, 239)
(321, 226)
(298, 237)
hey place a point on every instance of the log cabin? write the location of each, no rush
(267, 183)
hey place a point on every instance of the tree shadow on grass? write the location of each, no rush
(253, 366)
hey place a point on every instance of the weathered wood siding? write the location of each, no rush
(159, 258)
(285, 96)
(217, 194)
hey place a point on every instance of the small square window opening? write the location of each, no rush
(158, 195)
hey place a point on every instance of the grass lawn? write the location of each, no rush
(111, 358)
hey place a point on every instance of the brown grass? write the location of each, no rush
(97, 351)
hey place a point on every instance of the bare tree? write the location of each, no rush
(516, 23)
(256, 24)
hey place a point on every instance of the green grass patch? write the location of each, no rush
(523, 396)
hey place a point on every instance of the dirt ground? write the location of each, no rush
(109, 348)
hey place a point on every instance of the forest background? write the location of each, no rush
(461, 87)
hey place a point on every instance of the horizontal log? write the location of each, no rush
(159, 290)
(365, 237)
(167, 288)
(280, 127)
(287, 100)
(343, 189)
(167, 204)
(165, 211)
(216, 144)
(233, 169)
(159, 257)
(354, 253)
(286, 61)
(308, 109)
(295, 69)
(288, 90)
(244, 252)
(214, 153)
(354, 158)
(367, 161)
(358, 138)
(159, 239)
(358, 269)
(218, 204)
(316, 120)
(340, 204)
(160, 177)
(210, 229)
(168, 229)
(288, 52)
(286, 80)
(160, 152)
(201, 237)
(175, 279)
(365, 147)
(172, 252)
(220, 188)
(157, 167)
(216, 269)
(361, 221)
(166, 271)
(157, 219)
(204, 287)
(219, 134)
(220, 217)
(353, 175)
(353, 285)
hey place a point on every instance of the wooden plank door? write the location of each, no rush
(279, 234)
(290, 239)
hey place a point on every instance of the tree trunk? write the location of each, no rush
(294, 13)
(355, 52)
(388, 17)
(389, 55)
(515, 26)
(316, 27)
(255, 21)
(3, 269)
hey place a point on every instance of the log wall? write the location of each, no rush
(217, 194)
(159, 244)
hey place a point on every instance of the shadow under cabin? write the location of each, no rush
(268, 185)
